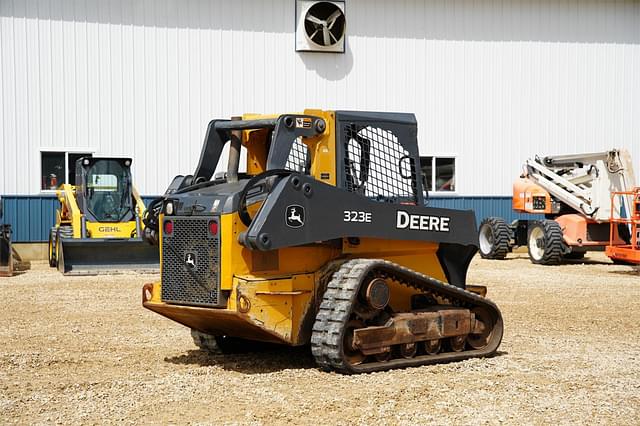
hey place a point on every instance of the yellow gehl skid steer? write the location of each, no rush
(324, 240)
(99, 222)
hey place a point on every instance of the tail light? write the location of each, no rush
(213, 227)
(168, 227)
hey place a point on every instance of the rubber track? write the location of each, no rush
(341, 293)
(501, 237)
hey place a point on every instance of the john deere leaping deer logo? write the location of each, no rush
(295, 216)
(191, 260)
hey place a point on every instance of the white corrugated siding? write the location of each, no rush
(490, 81)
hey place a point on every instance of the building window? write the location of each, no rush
(58, 167)
(438, 173)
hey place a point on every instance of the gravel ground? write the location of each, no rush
(83, 350)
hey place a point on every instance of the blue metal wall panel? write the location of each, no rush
(483, 206)
(31, 217)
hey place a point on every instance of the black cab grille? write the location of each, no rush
(190, 262)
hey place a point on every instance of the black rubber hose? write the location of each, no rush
(151, 215)
(242, 201)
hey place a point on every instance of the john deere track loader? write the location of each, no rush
(98, 223)
(324, 240)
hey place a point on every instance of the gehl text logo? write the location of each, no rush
(109, 229)
(420, 222)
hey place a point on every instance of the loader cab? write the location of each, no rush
(378, 155)
(104, 189)
(368, 153)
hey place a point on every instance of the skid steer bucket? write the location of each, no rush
(6, 252)
(95, 256)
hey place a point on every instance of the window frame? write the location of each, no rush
(456, 174)
(66, 152)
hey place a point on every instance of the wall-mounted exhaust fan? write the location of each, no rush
(320, 26)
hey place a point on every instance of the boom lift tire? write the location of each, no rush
(494, 236)
(545, 242)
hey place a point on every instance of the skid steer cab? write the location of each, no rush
(99, 222)
(324, 239)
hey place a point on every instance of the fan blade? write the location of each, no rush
(314, 33)
(315, 20)
(326, 34)
(331, 20)
(333, 37)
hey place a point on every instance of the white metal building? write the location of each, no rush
(491, 82)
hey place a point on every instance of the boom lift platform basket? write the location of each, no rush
(625, 253)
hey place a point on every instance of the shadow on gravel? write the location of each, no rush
(267, 360)
(585, 261)
(16, 273)
(632, 272)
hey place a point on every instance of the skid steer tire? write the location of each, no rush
(52, 247)
(545, 242)
(494, 235)
(61, 232)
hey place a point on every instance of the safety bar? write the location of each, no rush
(266, 123)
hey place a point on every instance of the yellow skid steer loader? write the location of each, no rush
(98, 223)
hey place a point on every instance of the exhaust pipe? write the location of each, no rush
(234, 153)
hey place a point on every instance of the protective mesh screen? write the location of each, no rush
(298, 157)
(377, 165)
(190, 263)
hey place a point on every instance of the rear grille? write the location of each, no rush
(190, 262)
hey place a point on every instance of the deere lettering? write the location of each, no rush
(109, 229)
(420, 222)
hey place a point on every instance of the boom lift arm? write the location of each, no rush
(584, 181)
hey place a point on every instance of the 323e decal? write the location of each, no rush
(357, 216)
